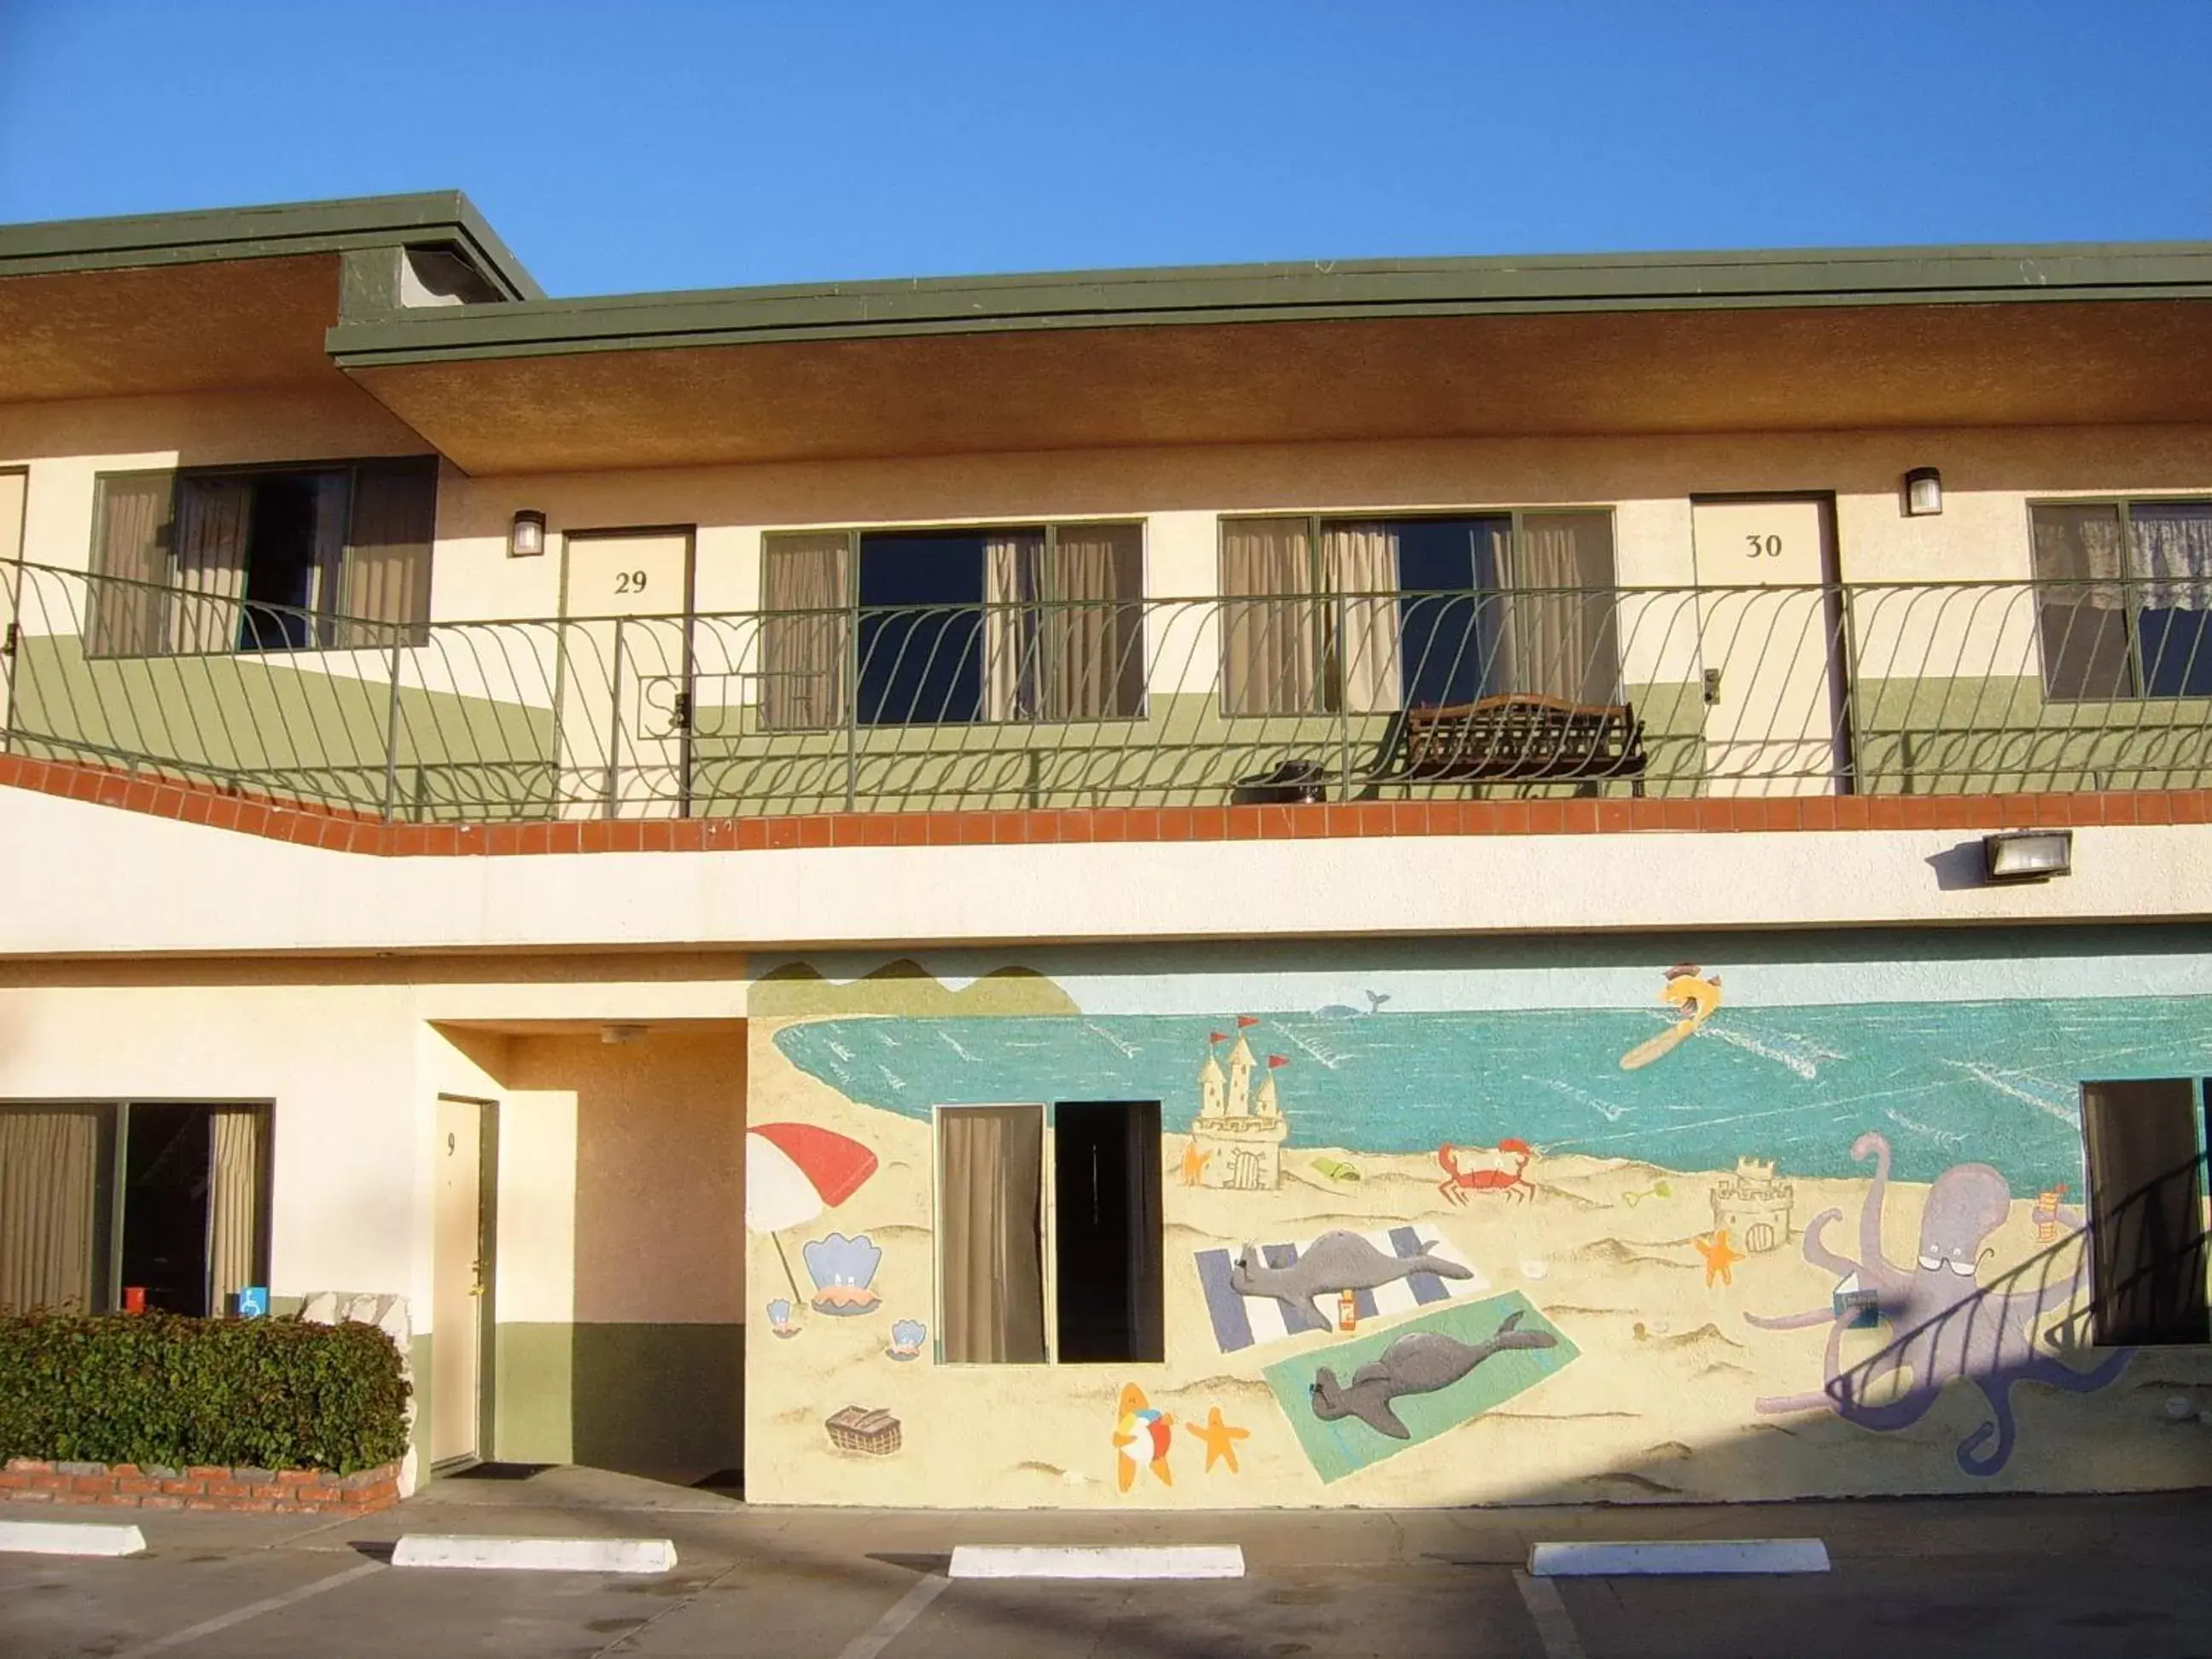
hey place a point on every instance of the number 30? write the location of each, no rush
(629, 581)
(1762, 547)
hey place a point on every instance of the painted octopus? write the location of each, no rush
(1944, 1324)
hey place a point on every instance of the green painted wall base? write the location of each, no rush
(644, 1397)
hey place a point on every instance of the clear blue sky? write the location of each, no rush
(624, 147)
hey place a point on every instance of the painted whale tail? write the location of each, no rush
(1509, 1335)
(1426, 1263)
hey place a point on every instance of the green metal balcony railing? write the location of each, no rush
(1938, 689)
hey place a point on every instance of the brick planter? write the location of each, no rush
(126, 1486)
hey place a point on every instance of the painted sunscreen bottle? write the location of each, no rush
(1347, 1311)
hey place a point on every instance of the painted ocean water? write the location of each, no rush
(1947, 1083)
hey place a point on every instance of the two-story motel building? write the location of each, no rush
(1366, 885)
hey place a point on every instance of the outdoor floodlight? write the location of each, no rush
(526, 539)
(1924, 492)
(2028, 854)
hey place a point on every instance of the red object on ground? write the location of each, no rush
(836, 1164)
(134, 1298)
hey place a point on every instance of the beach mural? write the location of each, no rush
(1689, 1242)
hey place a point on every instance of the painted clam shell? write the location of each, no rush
(843, 1270)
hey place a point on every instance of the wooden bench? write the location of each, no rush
(1512, 739)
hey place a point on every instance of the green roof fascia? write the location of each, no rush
(291, 228)
(1285, 292)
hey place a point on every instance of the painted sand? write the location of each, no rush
(1656, 1404)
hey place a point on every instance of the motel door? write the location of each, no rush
(625, 704)
(1771, 640)
(461, 1278)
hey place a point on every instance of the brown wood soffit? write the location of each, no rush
(156, 330)
(1832, 368)
(363, 833)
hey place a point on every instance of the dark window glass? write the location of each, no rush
(1448, 617)
(921, 630)
(2146, 1212)
(1106, 1193)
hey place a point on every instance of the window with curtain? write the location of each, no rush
(168, 1198)
(1099, 1246)
(1369, 615)
(2124, 598)
(333, 556)
(1019, 623)
(51, 1168)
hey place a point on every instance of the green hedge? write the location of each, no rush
(269, 1394)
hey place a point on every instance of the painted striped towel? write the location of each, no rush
(1240, 1321)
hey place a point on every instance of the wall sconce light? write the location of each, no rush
(2028, 854)
(526, 538)
(1924, 492)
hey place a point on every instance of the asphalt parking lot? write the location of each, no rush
(2016, 1575)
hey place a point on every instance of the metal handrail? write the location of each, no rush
(1940, 688)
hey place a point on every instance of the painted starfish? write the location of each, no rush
(1719, 1258)
(1219, 1437)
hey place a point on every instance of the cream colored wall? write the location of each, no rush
(650, 1134)
(85, 879)
(1989, 476)
(354, 1055)
(63, 446)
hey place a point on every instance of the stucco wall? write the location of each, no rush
(82, 879)
(1988, 475)
(1561, 1264)
(619, 1257)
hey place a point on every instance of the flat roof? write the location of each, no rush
(1306, 291)
(282, 229)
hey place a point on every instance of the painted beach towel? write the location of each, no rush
(1241, 1321)
(1459, 1363)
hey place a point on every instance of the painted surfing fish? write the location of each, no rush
(1140, 1428)
(1696, 996)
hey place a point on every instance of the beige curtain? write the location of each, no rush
(2081, 611)
(130, 519)
(2081, 544)
(49, 1193)
(233, 1204)
(1270, 618)
(1013, 580)
(1093, 637)
(1362, 561)
(1556, 635)
(806, 592)
(385, 558)
(989, 1234)
(213, 518)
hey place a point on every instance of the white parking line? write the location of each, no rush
(177, 1638)
(903, 1613)
(1553, 1628)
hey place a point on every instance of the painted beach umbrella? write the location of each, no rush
(793, 1172)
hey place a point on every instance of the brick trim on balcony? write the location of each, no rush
(342, 831)
(128, 1486)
